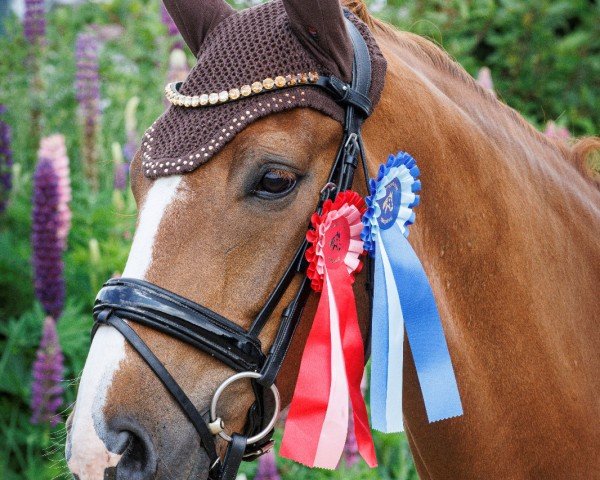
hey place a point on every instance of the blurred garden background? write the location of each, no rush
(79, 83)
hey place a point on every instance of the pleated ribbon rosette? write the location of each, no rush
(333, 359)
(402, 299)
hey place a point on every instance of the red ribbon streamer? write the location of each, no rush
(304, 425)
(354, 356)
(311, 395)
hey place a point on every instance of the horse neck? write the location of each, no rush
(501, 206)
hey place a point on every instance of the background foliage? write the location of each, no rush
(544, 55)
(545, 61)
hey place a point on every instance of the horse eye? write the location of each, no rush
(275, 183)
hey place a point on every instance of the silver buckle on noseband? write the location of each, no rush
(218, 423)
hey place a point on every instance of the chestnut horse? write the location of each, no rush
(508, 231)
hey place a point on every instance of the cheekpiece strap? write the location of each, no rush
(355, 98)
(355, 95)
(233, 457)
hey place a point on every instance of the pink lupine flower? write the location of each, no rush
(484, 78)
(53, 148)
(555, 131)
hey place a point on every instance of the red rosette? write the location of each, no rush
(317, 424)
(335, 237)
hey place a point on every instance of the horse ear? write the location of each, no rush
(195, 18)
(319, 25)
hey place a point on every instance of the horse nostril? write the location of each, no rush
(139, 458)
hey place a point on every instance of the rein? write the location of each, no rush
(122, 300)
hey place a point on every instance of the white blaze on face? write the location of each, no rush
(88, 454)
(159, 197)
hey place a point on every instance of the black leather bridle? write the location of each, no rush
(122, 300)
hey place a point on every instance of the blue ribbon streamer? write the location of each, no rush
(379, 349)
(389, 213)
(423, 329)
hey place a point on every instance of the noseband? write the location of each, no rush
(122, 300)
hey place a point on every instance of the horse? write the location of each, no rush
(507, 231)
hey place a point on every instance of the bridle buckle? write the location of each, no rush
(254, 454)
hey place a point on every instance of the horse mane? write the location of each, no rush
(577, 152)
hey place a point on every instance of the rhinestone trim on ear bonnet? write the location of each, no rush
(251, 63)
(208, 99)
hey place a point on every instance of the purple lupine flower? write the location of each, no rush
(121, 172)
(48, 370)
(34, 29)
(6, 161)
(267, 467)
(130, 147)
(88, 96)
(53, 148)
(172, 29)
(131, 133)
(121, 168)
(484, 78)
(168, 21)
(47, 262)
(555, 131)
(351, 454)
(34, 21)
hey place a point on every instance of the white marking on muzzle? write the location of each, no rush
(89, 456)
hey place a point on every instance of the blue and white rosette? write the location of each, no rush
(403, 299)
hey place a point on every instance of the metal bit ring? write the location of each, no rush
(238, 376)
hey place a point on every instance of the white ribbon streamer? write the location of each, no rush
(394, 419)
(331, 447)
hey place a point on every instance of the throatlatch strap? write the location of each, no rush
(108, 318)
(233, 457)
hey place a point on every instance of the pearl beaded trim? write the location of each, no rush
(210, 99)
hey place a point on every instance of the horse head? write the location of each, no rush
(222, 234)
(225, 182)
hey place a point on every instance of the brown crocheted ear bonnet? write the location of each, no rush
(251, 63)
